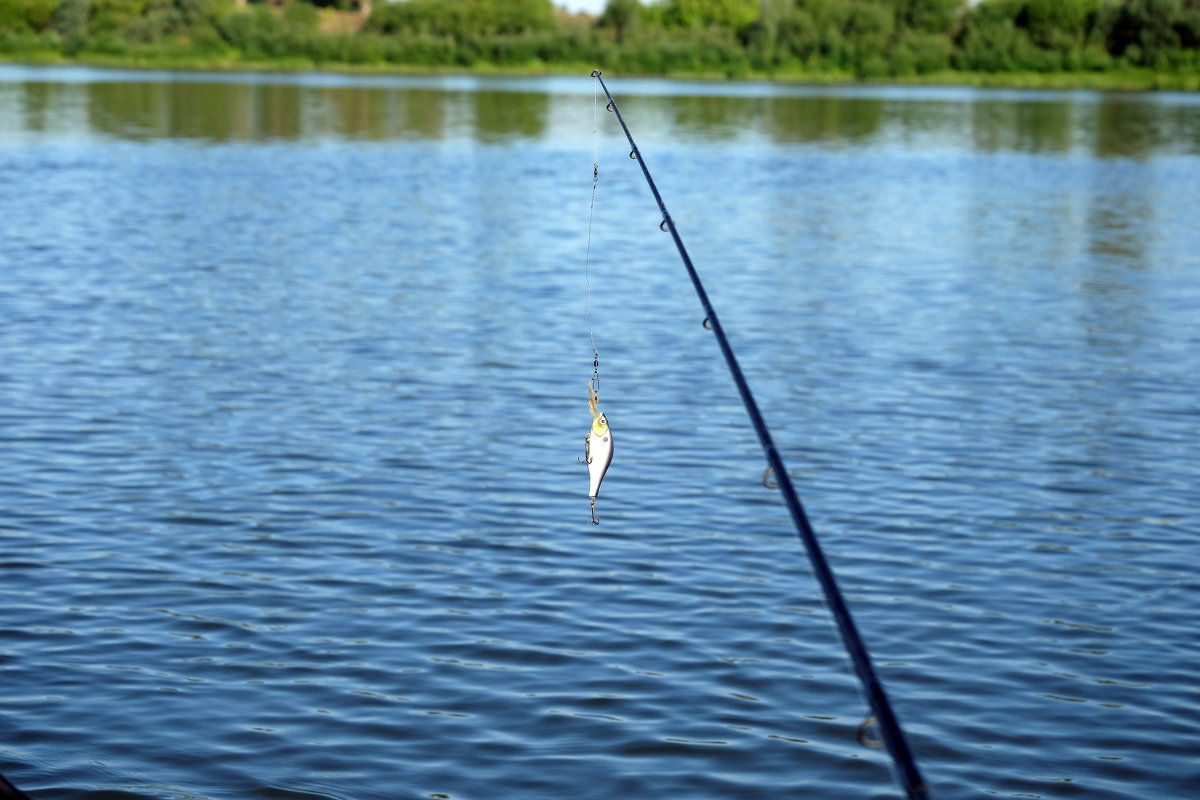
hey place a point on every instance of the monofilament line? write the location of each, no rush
(903, 760)
(587, 261)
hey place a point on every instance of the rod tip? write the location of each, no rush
(595, 73)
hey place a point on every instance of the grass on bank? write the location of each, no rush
(191, 59)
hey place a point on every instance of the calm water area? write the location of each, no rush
(293, 388)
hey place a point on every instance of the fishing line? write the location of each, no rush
(587, 261)
(598, 442)
(881, 709)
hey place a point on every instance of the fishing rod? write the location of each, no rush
(881, 709)
(10, 792)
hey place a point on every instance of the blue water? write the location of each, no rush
(292, 389)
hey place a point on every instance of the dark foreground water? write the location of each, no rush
(292, 388)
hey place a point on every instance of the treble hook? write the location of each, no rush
(595, 519)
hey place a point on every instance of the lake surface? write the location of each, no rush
(292, 393)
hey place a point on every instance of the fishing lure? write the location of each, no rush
(597, 449)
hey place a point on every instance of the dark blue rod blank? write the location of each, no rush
(893, 737)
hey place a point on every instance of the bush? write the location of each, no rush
(29, 43)
(113, 18)
(1059, 24)
(256, 32)
(871, 64)
(300, 16)
(27, 15)
(734, 15)
(930, 16)
(70, 22)
(922, 53)
(462, 19)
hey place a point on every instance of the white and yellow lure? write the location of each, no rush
(597, 449)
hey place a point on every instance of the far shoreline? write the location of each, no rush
(1132, 80)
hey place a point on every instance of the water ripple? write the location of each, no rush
(290, 423)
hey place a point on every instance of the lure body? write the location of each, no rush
(597, 451)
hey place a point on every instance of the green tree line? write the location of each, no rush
(791, 38)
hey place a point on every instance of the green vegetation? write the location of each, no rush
(1124, 43)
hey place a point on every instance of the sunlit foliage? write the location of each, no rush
(863, 38)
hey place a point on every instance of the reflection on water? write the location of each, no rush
(823, 118)
(225, 108)
(780, 119)
(516, 115)
(1023, 127)
(224, 112)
